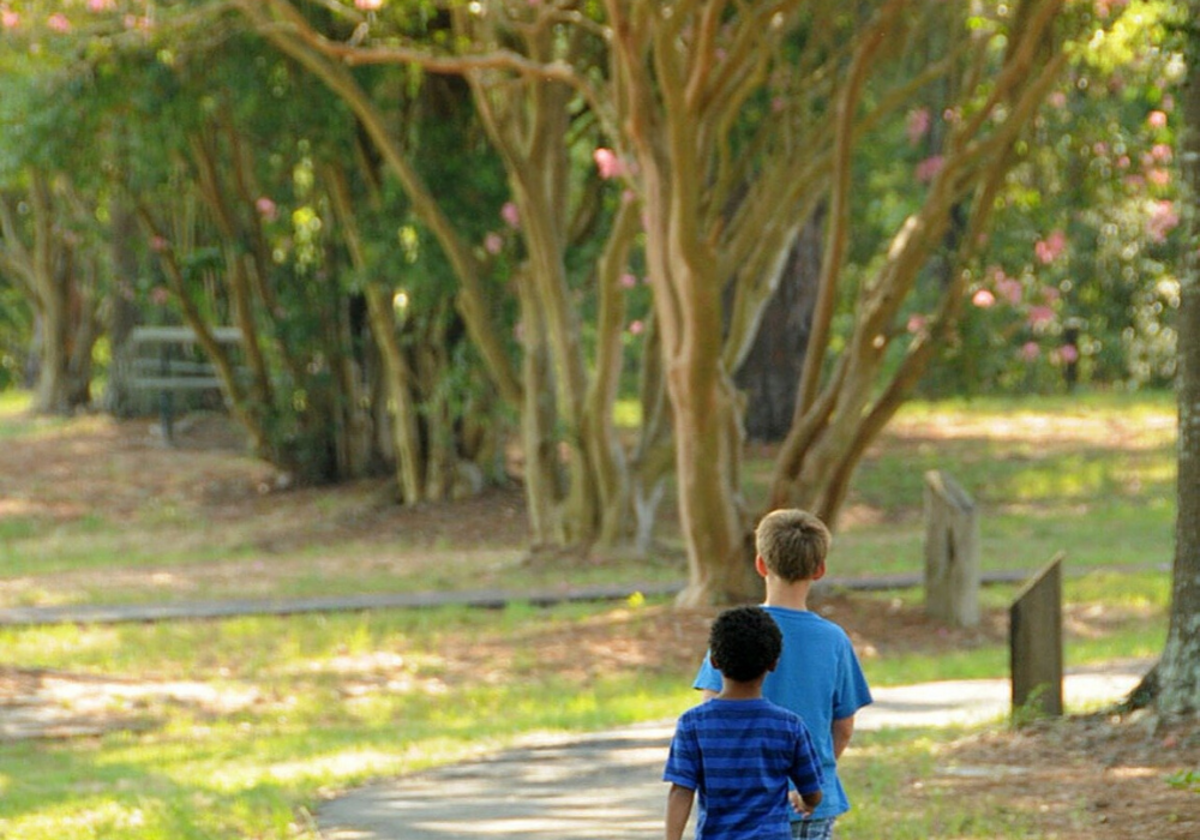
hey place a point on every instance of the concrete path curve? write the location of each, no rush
(608, 786)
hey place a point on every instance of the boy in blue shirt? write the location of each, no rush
(818, 676)
(738, 751)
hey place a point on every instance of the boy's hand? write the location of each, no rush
(798, 803)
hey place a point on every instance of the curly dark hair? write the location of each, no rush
(745, 643)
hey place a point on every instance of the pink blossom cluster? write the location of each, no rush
(1162, 219)
(917, 125)
(608, 163)
(1051, 248)
(928, 169)
(1038, 308)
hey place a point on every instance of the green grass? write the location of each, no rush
(310, 704)
(305, 724)
(251, 771)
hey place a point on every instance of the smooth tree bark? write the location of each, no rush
(517, 64)
(1178, 670)
(722, 111)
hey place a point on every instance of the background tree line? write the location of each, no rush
(444, 226)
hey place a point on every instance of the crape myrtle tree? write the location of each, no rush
(259, 208)
(737, 122)
(520, 64)
(52, 223)
(303, 240)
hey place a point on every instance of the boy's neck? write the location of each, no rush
(732, 689)
(792, 595)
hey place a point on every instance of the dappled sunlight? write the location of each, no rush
(351, 763)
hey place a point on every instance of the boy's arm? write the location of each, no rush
(679, 808)
(843, 730)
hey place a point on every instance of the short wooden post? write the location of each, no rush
(952, 574)
(1036, 645)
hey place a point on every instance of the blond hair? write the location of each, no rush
(792, 543)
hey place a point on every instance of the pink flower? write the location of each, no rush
(636, 327)
(9, 19)
(1040, 315)
(368, 5)
(608, 163)
(917, 125)
(1162, 152)
(266, 208)
(916, 323)
(159, 244)
(1050, 248)
(493, 243)
(1158, 177)
(58, 23)
(1057, 99)
(983, 299)
(628, 281)
(1162, 220)
(1157, 119)
(1030, 351)
(1050, 294)
(101, 5)
(929, 168)
(1009, 288)
(1068, 353)
(511, 215)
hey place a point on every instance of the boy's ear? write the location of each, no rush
(760, 565)
(820, 573)
(774, 665)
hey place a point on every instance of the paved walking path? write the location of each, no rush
(608, 786)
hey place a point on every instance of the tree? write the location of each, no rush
(517, 64)
(1178, 671)
(774, 101)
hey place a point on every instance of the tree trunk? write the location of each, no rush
(770, 375)
(1179, 669)
(119, 397)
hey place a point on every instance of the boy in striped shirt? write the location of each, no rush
(738, 750)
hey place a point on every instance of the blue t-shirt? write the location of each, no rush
(738, 756)
(818, 678)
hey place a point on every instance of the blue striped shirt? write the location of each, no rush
(738, 756)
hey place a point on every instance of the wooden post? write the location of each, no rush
(1036, 643)
(952, 574)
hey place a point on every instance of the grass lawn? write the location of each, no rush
(238, 728)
